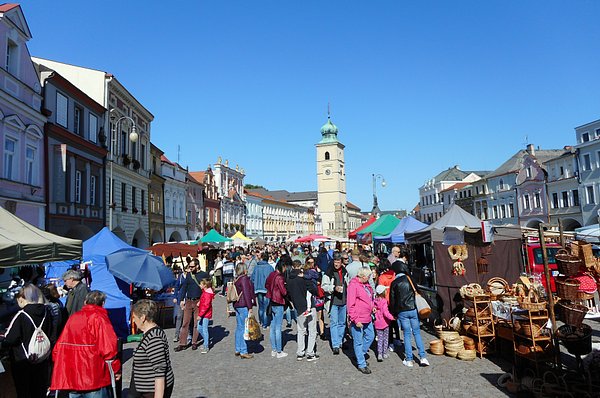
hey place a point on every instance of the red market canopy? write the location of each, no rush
(312, 237)
(352, 235)
(174, 250)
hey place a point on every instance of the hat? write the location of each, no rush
(380, 289)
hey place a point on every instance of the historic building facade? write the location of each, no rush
(195, 207)
(129, 153)
(156, 215)
(230, 184)
(211, 200)
(563, 190)
(175, 200)
(22, 171)
(76, 154)
(254, 215)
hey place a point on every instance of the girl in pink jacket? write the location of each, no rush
(383, 317)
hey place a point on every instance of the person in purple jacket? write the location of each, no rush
(243, 308)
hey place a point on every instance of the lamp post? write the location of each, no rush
(133, 137)
(375, 212)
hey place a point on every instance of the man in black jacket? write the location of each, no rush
(189, 295)
(297, 288)
(77, 290)
(402, 305)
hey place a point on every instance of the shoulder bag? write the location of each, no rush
(423, 307)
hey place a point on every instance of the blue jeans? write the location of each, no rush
(240, 316)
(275, 333)
(101, 393)
(203, 330)
(362, 338)
(262, 302)
(337, 324)
(410, 324)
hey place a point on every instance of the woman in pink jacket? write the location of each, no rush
(360, 311)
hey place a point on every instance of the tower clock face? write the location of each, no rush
(327, 171)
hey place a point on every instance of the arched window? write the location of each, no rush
(326, 155)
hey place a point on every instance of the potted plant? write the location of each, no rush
(136, 164)
(217, 227)
(124, 209)
(144, 212)
(135, 210)
(126, 160)
(113, 205)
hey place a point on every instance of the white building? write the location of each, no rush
(175, 200)
(563, 190)
(230, 183)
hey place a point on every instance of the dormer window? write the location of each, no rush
(12, 57)
(501, 185)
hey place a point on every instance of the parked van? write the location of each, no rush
(534, 262)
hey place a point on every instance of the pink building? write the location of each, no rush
(22, 186)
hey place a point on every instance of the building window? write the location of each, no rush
(495, 211)
(78, 121)
(93, 190)
(123, 195)
(503, 211)
(77, 186)
(12, 57)
(152, 207)
(575, 197)
(9, 158)
(62, 104)
(501, 185)
(511, 210)
(555, 200)
(565, 199)
(587, 163)
(326, 155)
(167, 206)
(526, 203)
(93, 126)
(538, 201)
(142, 197)
(143, 157)
(123, 143)
(590, 195)
(562, 170)
(30, 165)
(528, 172)
(585, 137)
(133, 198)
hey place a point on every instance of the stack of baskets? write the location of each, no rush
(567, 288)
(436, 347)
(453, 345)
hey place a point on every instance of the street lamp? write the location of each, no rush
(133, 137)
(376, 210)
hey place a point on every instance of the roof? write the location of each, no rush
(515, 162)
(352, 206)
(198, 175)
(458, 185)
(452, 174)
(7, 6)
(193, 179)
(286, 195)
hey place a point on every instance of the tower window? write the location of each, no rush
(326, 155)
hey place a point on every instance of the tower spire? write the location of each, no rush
(328, 111)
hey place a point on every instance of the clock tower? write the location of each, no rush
(331, 182)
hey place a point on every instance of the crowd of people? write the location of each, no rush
(73, 349)
(366, 297)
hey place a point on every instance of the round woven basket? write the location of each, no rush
(567, 288)
(452, 353)
(530, 330)
(467, 355)
(436, 347)
(448, 334)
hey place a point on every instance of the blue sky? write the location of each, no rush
(415, 87)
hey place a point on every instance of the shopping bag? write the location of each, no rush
(423, 307)
(247, 329)
(253, 328)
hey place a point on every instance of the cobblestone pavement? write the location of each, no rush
(221, 374)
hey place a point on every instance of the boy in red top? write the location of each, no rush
(205, 311)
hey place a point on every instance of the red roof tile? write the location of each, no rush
(7, 7)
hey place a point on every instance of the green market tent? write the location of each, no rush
(213, 237)
(383, 226)
(22, 243)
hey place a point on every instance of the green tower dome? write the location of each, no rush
(329, 132)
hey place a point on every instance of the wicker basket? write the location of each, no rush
(578, 341)
(567, 264)
(436, 347)
(497, 286)
(586, 254)
(481, 329)
(467, 355)
(572, 314)
(530, 330)
(567, 288)
(526, 304)
(448, 334)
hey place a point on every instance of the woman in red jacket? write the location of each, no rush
(205, 311)
(276, 293)
(84, 348)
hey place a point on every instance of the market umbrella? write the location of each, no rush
(352, 235)
(174, 250)
(312, 237)
(211, 237)
(383, 226)
(140, 268)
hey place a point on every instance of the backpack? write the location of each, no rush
(39, 345)
(232, 295)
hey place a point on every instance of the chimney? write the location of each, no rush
(531, 149)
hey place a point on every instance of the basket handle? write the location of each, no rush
(562, 251)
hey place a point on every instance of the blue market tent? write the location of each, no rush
(407, 224)
(95, 250)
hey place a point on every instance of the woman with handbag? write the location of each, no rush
(402, 304)
(243, 308)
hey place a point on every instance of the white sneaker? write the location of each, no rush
(392, 348)
(406, 363)
(273, 353)
(424, 362)
(281, 355)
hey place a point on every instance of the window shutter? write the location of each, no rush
(61, 109)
